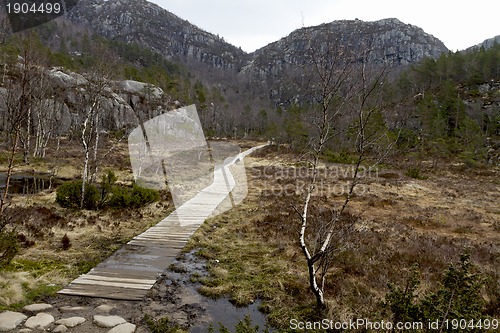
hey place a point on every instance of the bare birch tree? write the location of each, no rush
(21, 92)
(345, 92)
(91, 101)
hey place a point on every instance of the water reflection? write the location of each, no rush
(28, 183)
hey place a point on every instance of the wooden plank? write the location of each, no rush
(131, 271)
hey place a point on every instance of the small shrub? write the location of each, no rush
(123, 197)
(342, 157)
(142, 196)
(415, 173)
(109, 195)
(107, 184)
(69, 195)
(120, 197)
(162, 325)
(458, 297)
(65, 242)
(9, 247)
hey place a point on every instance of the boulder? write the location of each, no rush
(123, 328)
(108, 321)
(40, 321)
(38, 307)
(10, 320)
(60, 329)
(71, 322)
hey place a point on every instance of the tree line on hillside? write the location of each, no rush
(436, 103)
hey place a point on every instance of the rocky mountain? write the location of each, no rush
(159, 30)
(488, 43)
(389, 40)
(155, 28)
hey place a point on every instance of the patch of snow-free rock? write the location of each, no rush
(123, 328)
(41, 320)
(136, 87)
(10, 320)
(108, 321)
(60, 329)
(71, 322)
(104, 308)
(38, 307)
(67, 80)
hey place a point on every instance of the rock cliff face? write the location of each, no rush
(157, 29)
(486, 44)
(389, 40)
(115, 101)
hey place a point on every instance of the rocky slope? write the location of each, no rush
(390, 41)
(157, 29)
(486, 44)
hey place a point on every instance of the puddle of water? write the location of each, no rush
(25, 184)
(215, 310)
(222, 311)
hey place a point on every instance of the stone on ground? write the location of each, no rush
(41, 320)
(73, 308)
(105, 308)
(123, 328)
(10, 320)
(71, 322)
(108, 321)
(60, 329)
(37, 307)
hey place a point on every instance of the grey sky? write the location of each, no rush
(254, 24)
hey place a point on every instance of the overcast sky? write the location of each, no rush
(252, 24)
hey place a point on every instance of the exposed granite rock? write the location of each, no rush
(123, 328)
(71, 322)
(10, 320)
(40, 321)
(390, 41)
(37, 307)
(108, 321)
(150, 25)
(488, 43)
(60, 329)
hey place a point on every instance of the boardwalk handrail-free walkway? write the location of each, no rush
(132, 270)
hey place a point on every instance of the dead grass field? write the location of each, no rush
(43, 266)
(253, 250)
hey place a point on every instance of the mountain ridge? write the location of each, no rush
(177, 39)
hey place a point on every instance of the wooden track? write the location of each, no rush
(131, 271)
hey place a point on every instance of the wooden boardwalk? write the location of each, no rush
(131, 271)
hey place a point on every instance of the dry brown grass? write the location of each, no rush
(402, 221)
(43, 265)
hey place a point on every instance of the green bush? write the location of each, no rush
(69, 195)
(120, 197)
(136, 197)
(458, 296)
(162, 325)
(142, 196)
(107, 195)
(9, 247)
(414, 172)
(342, 157)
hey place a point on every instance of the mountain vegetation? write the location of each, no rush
(380, 96)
